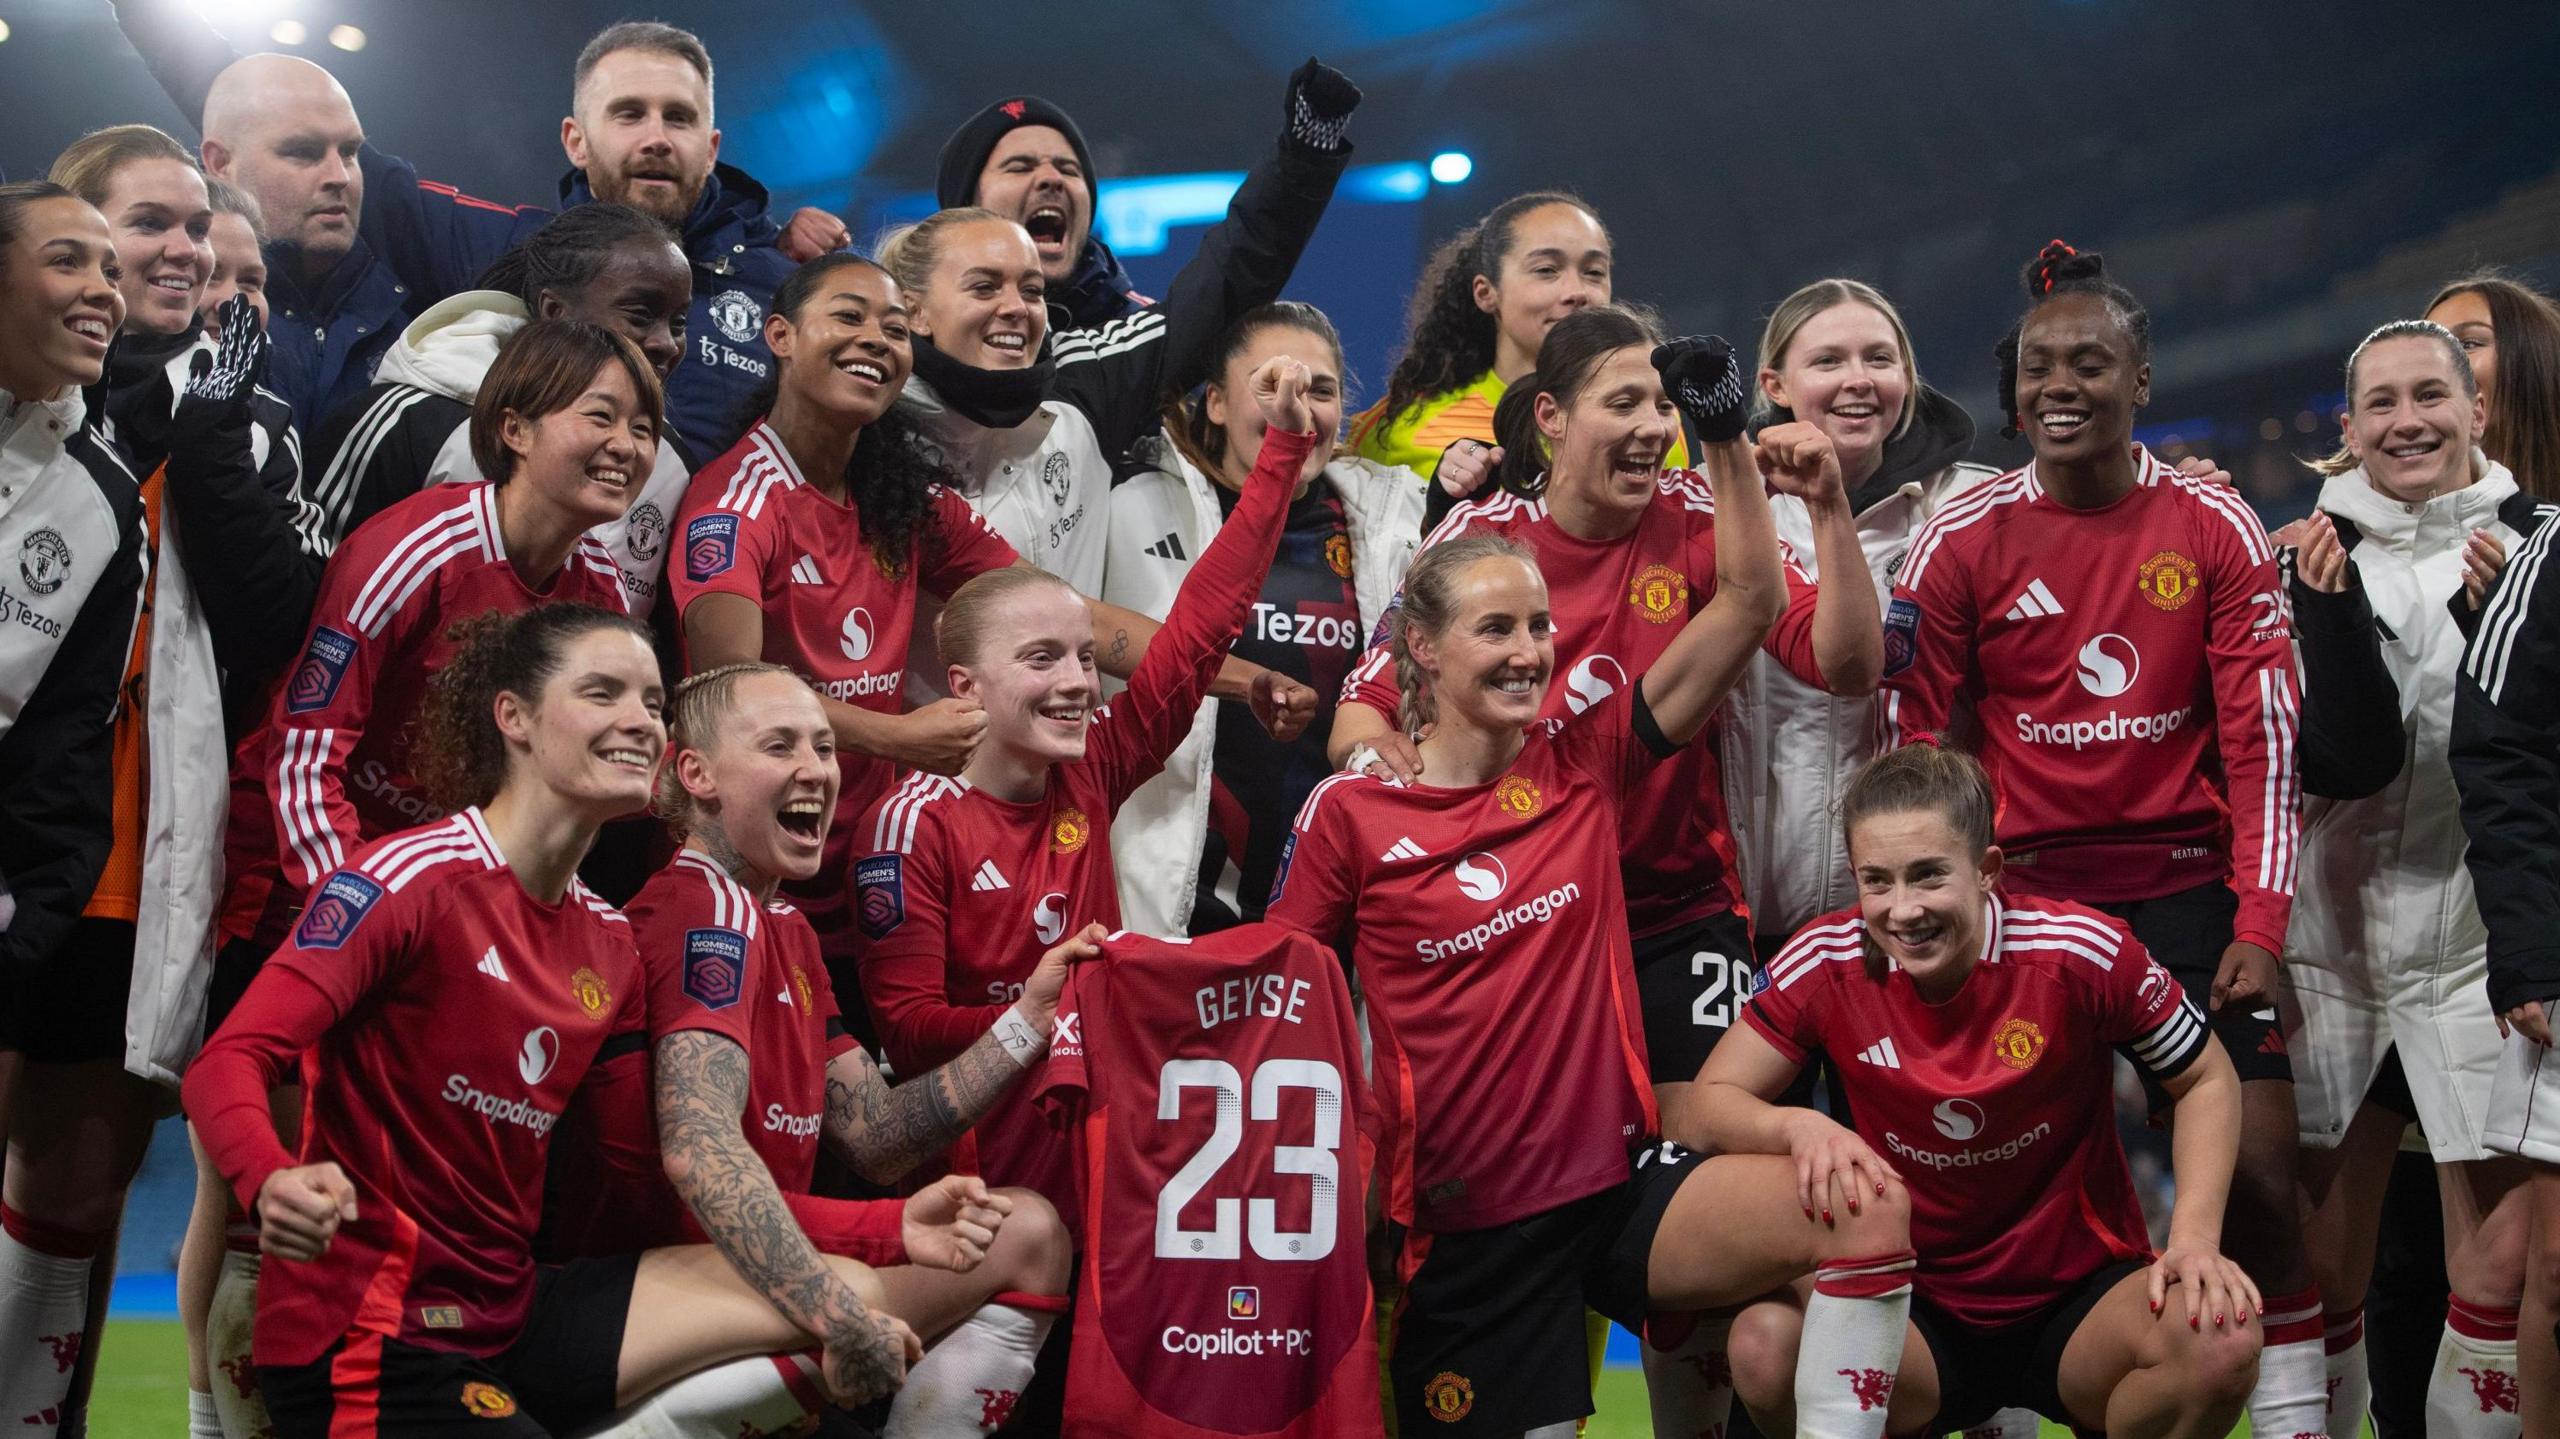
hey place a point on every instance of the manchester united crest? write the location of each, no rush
(1517, 796)
(487, 1401)
(2169, 580)
(800, 988)
(1337, 553)
(1069, 831)
(1448, 1397)
(588, 986)
(1659, 593)
(2018, 1043)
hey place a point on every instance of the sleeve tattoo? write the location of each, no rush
(885, 1130)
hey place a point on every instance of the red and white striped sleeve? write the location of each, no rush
(2257, 707)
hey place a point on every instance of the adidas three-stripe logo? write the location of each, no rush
(806, 572)
(494, 967)
(2037, 603)
(989, 877)
(1881, 1054)
(1168, 548)
(1403, 848)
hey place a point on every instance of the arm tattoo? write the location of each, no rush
(884, 1131)
(701, 1082)
(1119, 646)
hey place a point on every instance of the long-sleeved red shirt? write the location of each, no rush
(2130, 673)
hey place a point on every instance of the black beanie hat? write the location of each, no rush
(964, 155)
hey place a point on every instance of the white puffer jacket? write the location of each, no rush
(1042, 484)
(1789, 749)
(2383, 885)
(1161, 520)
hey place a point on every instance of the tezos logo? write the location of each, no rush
(43, 560)
(1482, 876)
(857, 633)
(1049, 917)
(540, 1051)
(736, 316)
(2109, 665)
(1957, 1119)
(1592, 679)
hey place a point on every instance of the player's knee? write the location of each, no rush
(866, 1285)
(1032, 1252)
(1761, 1348)
(2492, 1269)
(2220, 1366)
(1881, 1224)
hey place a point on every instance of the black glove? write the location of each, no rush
(220, 376)
(1320, 103)
(1702, 378)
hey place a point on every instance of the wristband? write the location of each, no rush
(1022, 1040)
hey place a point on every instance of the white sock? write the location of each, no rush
(1687, 1376)
(228, 1324)
(1852, 1346)
(762, 1395)
(44, 1310)
(2472, 1394)
(202, 1422)
(2007, 1424)
(2350, 1382)
(2292, 1395)
(969, 1381)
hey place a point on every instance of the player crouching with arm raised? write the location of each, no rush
(753, 1070)
(1974, 1031)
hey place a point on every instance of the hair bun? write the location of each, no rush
(2057, 264)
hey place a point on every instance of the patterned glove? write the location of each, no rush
(220, 373)
(1321, 100)
(1702, 379)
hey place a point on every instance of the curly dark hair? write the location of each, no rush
(893, 471)
(1448, 341)
(2056, 271)
(568, 253)
(458, 755)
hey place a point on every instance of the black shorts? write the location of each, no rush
(1490, 1338)
(558, 1376)
(1982, 1371)
(2187, 932)
(234, 964)
(70, 1008)
(1690, 982)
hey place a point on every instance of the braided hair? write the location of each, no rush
(570, 251)
(2056, 271)
(696, 709)
(1430, 604)
(1448, 339)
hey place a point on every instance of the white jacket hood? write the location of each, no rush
(449, 348)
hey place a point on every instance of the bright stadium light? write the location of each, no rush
(346, 37)
(4, 32)
(1452, 167)
(290, 32)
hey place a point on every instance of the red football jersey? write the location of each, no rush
(329, 770)
(1213, 1089)
(1490, 932)
(442, 1017)
(752, 527)
(713, 959)
(960, 892)
(1997, 1106)
(2131, 672)
(1617, 605)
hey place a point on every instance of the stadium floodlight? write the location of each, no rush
(1452, 167)
(290, 32)
(346, 37)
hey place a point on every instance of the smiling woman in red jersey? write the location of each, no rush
(1974, 1030)
(2136, 709)
(966, 879)
(1483, 907)
(443, 995)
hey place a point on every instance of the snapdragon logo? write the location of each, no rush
(1592, 679)
(778, 1120)
(1960, 1120)
(2114, 727)
(497, 1108)
(1537, 910)
(2109, 665)
(1481, 876)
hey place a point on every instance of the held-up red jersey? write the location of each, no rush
(751, 526)
(2131, 670)
(960, 892)
(1212, 1088)
(713, 959)
(1617, 605)
(441, 1017)
(329, 770)
(1995, 1105)
(1491, 938)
